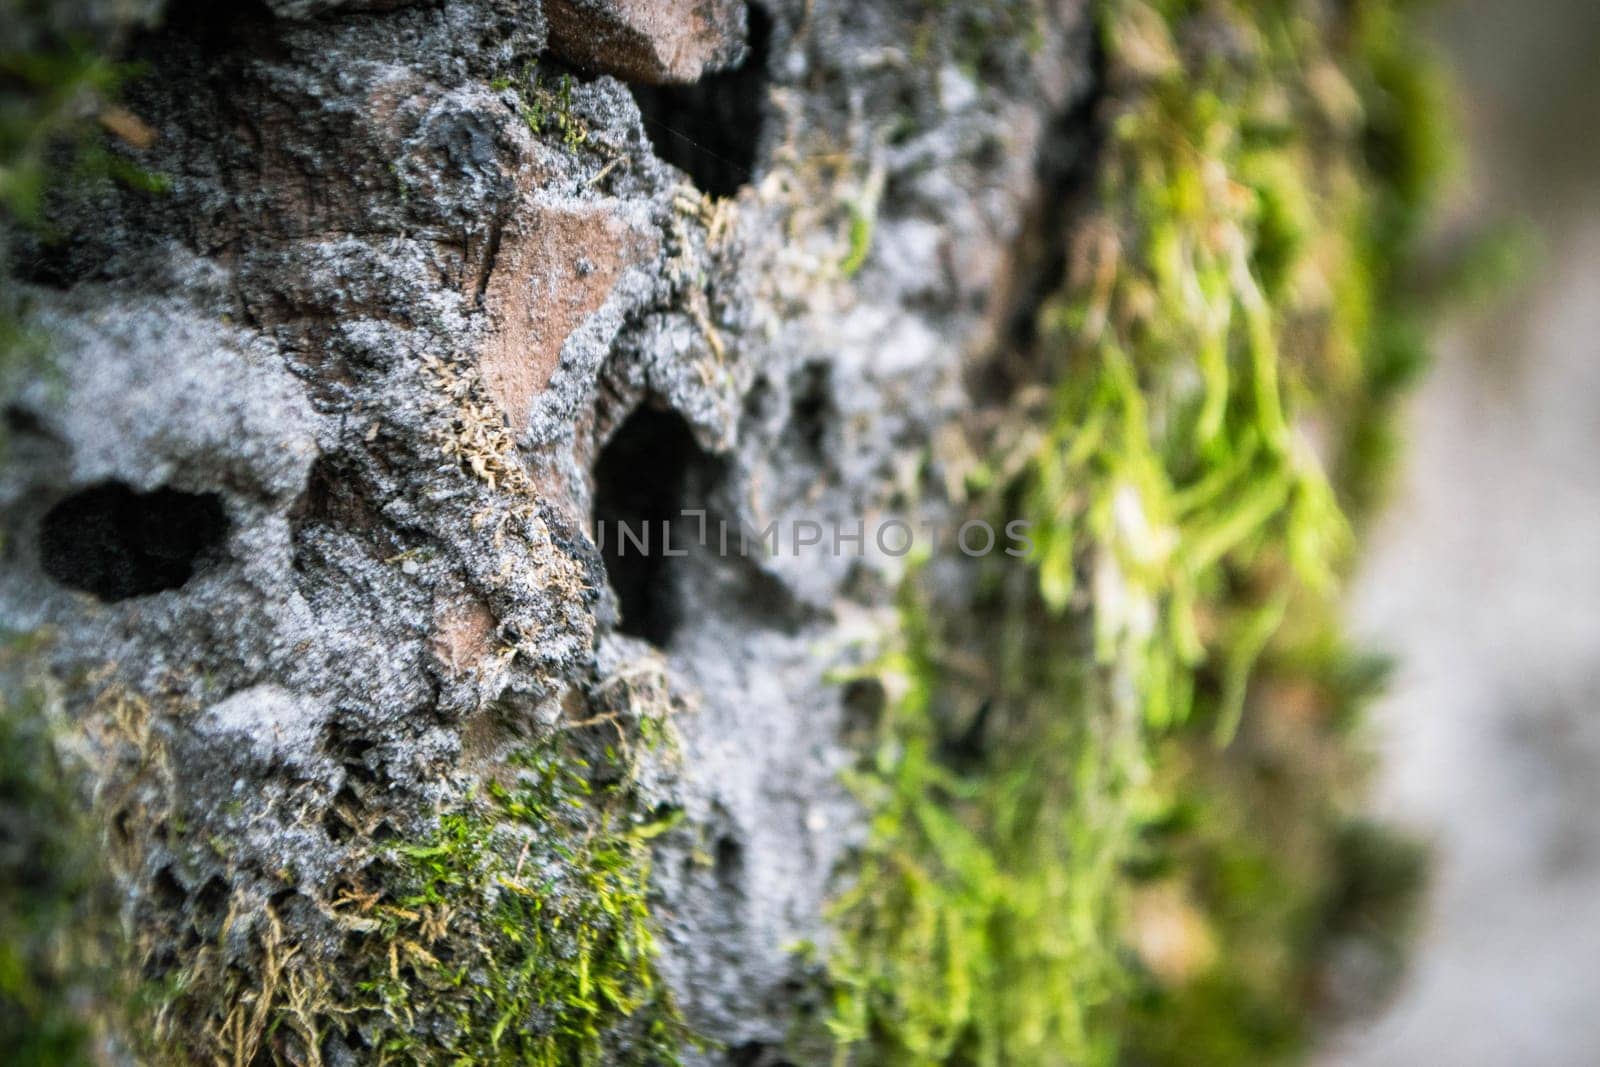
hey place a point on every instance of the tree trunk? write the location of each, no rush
(493, 466)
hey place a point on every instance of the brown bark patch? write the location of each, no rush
(554, 268)
(463, 634)
(657, 42)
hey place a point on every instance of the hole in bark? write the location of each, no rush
(756, 1054)
(214, 25)
(117, 543)
(21, 421)
(641, 484)
(864, 701)
(212, 896)
(729, 862)
(812, 410)
(334, 825)
(290, 904)
(356, 754)
(711, 130)
(167, 890)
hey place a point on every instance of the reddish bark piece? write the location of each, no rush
(555, 267)
(658, 42)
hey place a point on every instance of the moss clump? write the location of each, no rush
(47, 103)
(1282, 885)
(514, 930)
(1220, 369)
(519, 931)
(545, 108)
(977, 931)
(55, 104)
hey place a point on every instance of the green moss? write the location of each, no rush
(515, 930)
(980, 925)
(862, 222)
(49, 100)
(519, 931)
(57, 105)
(1222, 366)
(545, 108)
(57, 911)
(1259, 842)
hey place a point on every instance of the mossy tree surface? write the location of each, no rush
(512, 928)
(59, 990)
(1140, 847)
(552, 950)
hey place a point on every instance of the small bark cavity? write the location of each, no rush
(116, 543)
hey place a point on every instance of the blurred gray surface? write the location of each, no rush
(1484, 579)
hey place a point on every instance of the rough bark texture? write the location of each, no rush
(362, 330)
(308, 507)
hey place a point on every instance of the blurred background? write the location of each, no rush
(1483, 579)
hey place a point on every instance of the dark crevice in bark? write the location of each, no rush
(642, 481)
(711, 130)
(117, 543)
(1067, 168)
(757, 1054)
